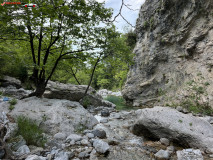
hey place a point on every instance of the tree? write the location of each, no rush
(56, 30)
(115, 65)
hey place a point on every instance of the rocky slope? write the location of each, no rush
(174, 47)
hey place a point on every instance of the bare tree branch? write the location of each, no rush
(120, 13)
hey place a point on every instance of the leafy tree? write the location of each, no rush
(12, 63)
(113, 71)
(56, 31)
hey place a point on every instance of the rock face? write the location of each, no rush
(180, 128)
(10, 81)
(53, 115)
(174, 45)
(55, 90)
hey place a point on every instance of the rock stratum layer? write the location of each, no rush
(174, 46)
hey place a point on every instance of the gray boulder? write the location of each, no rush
(73, 137)
(62, 156)
(60, 136)
(35, 157)
(105, 113)
(90, 135)
(100, 146)
(17, 143)
(162, 154)
(10, 81)
(55, 90)
(189, 154)
(164, 141)
(99, 133)
(23, 150)
(54, 115)
(16, 93)
(164, 122)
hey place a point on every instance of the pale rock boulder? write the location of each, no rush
(162, 154)
(16, 93)
(74, 137)
(189, 154)
(10, 81)
(22, 150)
(53, 115)
(35, 157)
(100, 146)
(165, 122)
(56, 90)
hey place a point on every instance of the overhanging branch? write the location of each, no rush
(120, 13)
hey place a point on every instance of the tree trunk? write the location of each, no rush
(40, 89)
(93, 71)
(34, 77)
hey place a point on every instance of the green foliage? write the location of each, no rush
(194, 102)
(11, 107)
(13, 101)
(180, 121)
(190, 124)
(146, 24)
(56, 32)
(152, 20)
(119, 102)
(112, 71)
(86, 102)
(30, 132)
(161, 92)
(131, 39)
(206, 83)
(68, 35)
(12, 63)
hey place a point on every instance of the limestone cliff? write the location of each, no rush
(174, 47)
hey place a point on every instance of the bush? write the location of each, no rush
(86, 102)
(119, 102)
(131, 39)
(193, 102)
(30, 132)
(13, 101)
(11, 107)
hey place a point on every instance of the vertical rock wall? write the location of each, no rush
(174, 46)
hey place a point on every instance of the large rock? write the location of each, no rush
(100, 146)
(189, 154)
(23, 150)
(55, 90)
(174, 46)
(161, 154)
(53, 115)
(10, 81)
(73, 137)
(35, 157)
(163, 122)
(16, 93)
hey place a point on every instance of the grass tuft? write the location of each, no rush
(13, 101)
(29, 130)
